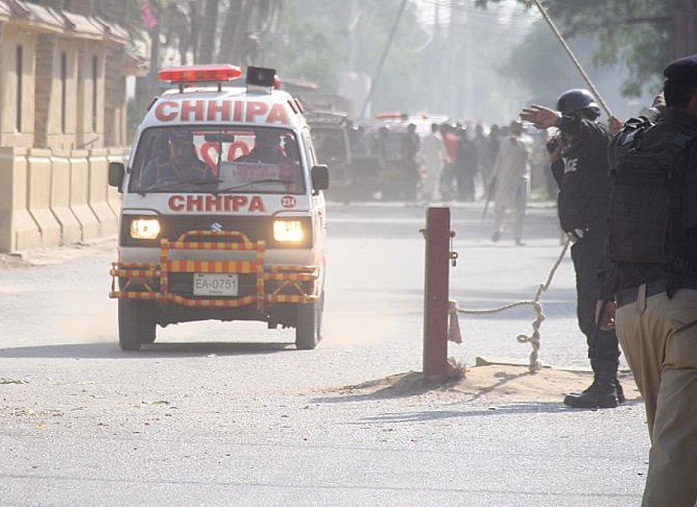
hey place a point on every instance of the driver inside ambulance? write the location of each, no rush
(175, 161)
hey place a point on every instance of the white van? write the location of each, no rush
(223, 213)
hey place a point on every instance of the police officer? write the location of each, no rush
(655, 261)
(580, 167)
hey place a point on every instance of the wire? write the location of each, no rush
(475, 10)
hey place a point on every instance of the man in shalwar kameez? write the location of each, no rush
(511, 180)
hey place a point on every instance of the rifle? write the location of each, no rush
(489, 196)
(607, 297)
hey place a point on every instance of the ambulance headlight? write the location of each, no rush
(288, 231)
(145, 228)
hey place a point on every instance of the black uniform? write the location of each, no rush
(584, 183)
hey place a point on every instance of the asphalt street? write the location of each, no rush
(231, 414)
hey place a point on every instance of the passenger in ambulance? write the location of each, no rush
(175, 161)
(268, 150)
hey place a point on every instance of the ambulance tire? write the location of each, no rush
(136, 325)
(307, 331)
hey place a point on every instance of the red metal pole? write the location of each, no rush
(435, 358)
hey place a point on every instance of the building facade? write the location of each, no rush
(63, 71)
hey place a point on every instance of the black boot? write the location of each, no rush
(620, 392)
(604, 392)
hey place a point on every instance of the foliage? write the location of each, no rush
(317, 47)
(638, 33)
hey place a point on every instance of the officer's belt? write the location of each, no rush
(631, 294)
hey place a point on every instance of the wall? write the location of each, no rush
(54, 197)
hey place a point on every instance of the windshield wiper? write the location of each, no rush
(244, 185)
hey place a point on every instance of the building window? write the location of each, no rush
(64, 90)
(19, 70)
(95, 76)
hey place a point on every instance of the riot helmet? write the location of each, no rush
(577, 101)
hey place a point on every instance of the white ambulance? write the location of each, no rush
(223, 214)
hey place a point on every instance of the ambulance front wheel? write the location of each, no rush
(308, 329)
(136, 324)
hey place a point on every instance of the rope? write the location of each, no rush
(534, 338)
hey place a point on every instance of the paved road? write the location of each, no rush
(232, 414)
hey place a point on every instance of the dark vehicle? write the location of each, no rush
(397, 174)
(329, 131)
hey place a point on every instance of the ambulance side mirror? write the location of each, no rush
(116, 174)
(320, 178)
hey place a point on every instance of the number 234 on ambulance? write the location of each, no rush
(223, 215)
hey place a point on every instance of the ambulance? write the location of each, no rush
(223, 214)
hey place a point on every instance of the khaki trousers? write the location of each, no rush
(659, 339)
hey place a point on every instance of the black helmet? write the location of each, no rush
(572, 101)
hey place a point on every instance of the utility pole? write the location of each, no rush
(450, 79)
(684, 30)
(376, 76)
(354, 18)
(435, 64)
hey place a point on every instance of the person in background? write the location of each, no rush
(510, 179)
(494, 141)
(465, 166)
(433, 155)
(484, 163)
(410, 149)
(450, 142)
(581, 170)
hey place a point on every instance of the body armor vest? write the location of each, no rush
(648, 190)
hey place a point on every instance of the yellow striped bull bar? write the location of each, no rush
(140, 279)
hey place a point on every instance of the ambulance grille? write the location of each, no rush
(255, 228)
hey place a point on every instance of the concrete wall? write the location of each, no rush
(18, 230)
(53, 197)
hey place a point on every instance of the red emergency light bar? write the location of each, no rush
(200, 74)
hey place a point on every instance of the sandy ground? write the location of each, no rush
(491, 382)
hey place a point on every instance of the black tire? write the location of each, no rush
(308, 330)
(136, 324)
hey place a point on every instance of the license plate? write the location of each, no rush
(213, 284)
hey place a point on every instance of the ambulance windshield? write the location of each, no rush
(218, 160)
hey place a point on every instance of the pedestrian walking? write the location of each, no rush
(653, 273)
(510, 180)
(584, 194)
(433, 154)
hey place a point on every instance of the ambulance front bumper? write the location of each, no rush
(251, 281)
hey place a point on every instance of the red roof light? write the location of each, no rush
(200, 74)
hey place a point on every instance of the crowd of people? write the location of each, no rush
(501, 165)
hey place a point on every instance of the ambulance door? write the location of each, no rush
(317, 198)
